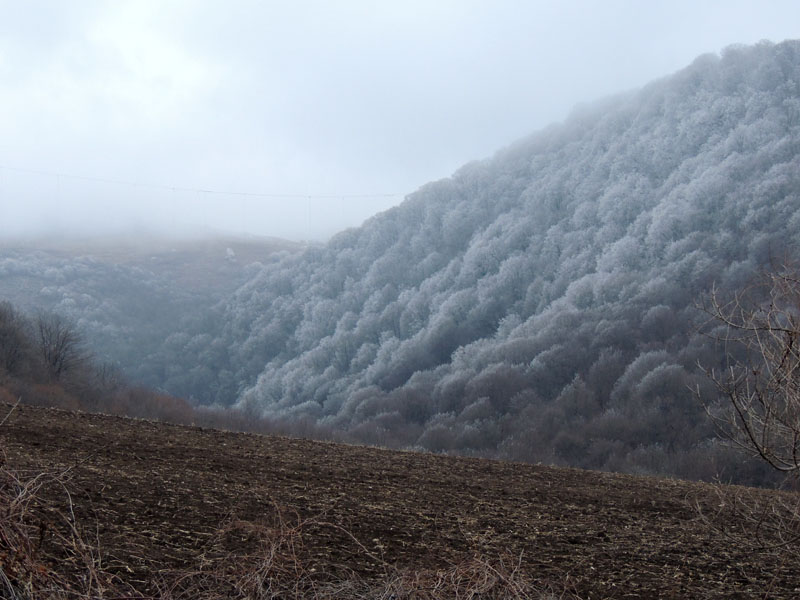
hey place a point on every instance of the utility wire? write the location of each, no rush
(175, 188)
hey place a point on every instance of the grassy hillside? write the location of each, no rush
(165, 508)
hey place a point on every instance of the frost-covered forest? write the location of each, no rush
(538, 305)
(135, 300)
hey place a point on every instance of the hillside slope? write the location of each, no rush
(153, 497)
(539, 304)
(138, 301)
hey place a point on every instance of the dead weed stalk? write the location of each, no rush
(279, 569)
(35, 537)
(751, 519)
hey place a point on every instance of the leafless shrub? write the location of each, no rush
(757, 407)
(759, 331)
(60, 343)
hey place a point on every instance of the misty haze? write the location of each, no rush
(300, 121)
(504, 232)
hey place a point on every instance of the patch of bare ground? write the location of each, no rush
(174, 511)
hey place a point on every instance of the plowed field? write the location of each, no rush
(158, 494)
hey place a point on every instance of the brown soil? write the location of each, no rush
(158, 494)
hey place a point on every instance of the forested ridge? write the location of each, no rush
(134, 299)
(540, 304)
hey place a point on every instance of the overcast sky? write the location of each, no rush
(345, 107)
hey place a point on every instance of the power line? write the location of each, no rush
(175, 188)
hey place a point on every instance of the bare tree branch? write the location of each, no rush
(759, 330)
(60, 344)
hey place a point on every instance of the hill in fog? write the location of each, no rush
(539, 304)
(131, 298)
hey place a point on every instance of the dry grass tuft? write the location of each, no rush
(31, 544)
(277, 569)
